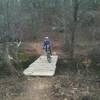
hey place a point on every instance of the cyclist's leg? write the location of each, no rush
(50, 51)
(46, 50)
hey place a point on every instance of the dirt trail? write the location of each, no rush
(36, 47)
(36, 89)
(60, 87)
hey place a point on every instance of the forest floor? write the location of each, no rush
(67, 84)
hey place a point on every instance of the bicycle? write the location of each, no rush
(48, 54)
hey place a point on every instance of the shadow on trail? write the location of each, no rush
(64, 66)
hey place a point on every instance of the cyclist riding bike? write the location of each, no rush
(47, 46)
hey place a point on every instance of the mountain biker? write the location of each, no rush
(47, 45)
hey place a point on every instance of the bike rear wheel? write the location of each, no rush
(49, 56)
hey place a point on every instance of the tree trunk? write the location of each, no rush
(74, 26)
(72, 45)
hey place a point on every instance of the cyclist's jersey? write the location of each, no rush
(46, 44)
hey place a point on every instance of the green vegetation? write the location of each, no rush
(25, 59)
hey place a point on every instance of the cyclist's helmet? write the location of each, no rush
(46, 38)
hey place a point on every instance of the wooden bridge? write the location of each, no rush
(41, 67)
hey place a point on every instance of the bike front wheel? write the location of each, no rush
(49, 58)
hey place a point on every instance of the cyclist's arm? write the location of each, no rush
(43, 45)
